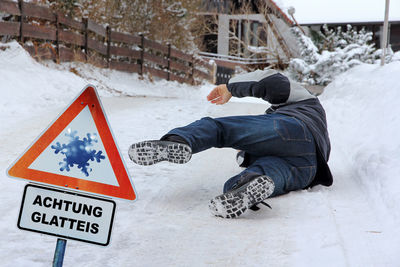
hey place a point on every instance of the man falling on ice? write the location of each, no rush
(283, 150)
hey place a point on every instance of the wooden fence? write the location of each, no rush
(53, 36)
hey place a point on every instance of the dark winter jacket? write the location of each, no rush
(289, 98)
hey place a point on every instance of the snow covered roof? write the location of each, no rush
(340, 11)
(280, 11)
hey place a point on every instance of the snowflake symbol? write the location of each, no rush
(78, 152)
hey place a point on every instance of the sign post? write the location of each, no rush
(76, 154)
(59, 253)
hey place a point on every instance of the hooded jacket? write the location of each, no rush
(289, 98)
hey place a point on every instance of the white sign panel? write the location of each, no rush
(98, 169)
(66, 214)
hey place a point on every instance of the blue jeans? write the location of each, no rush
(278, 146)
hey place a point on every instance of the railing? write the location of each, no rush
(226, 65)
(54, 36)
(239, 60)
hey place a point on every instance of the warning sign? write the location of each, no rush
(78, 151)
(66, 214)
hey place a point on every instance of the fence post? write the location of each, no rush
(142, 55)
(169, 62)
(108, 32)
(85, 22)
(21, 20)
(214, 73)
(57, 39)
(192, 73)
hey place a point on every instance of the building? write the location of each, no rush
(249, 34)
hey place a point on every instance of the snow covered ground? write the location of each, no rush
(353, 223)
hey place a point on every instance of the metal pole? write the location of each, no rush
(59, 253)
(385, 33)
(240, 36)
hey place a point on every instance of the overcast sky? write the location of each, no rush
(317, 11)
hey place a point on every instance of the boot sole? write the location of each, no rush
(152, 152)
(236, 202)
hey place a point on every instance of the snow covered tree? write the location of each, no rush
(335, 52)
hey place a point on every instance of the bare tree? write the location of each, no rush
(166, 21)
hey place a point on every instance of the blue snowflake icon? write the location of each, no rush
(78, 152)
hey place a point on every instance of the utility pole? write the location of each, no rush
(385, 33)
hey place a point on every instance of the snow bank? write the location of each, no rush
(364, 123)
(60, 83)
(28, 86)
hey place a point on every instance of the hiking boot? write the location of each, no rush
(154, 151)
(249, 192)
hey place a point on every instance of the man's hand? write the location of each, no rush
(219, 95)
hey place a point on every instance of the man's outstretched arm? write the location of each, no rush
(269, 85)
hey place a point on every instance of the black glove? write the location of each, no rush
(242, 158)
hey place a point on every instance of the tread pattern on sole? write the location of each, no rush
(152, 152)
(234, 203)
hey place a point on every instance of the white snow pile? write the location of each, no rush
(35, 86)
(363, 110)
(27, 85)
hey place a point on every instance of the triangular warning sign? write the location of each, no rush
(77, 151)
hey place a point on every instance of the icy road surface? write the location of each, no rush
(170, 224)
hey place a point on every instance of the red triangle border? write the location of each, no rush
(88, 97)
